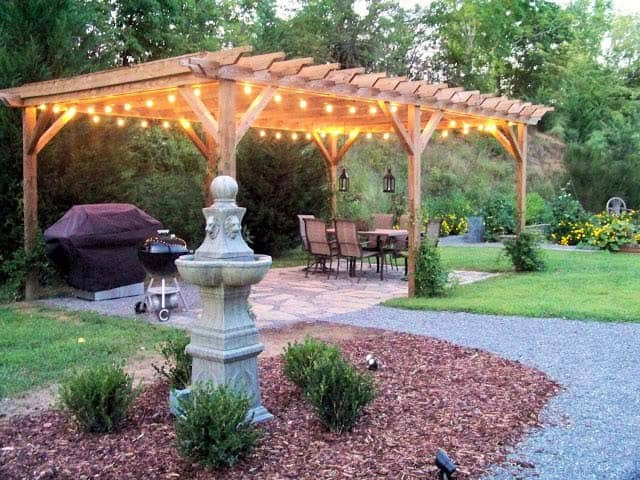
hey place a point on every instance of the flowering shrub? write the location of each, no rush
(568, 232)
(570, 224)
(452, 224)
(610, 232)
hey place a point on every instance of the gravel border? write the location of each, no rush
(592, 429)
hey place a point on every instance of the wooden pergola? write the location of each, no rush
(229, 91)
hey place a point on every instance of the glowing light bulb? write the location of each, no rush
(278, 135)
(373, 110)
(42, 106)
(166, 124)
(303, 103)
(352, 109)
(511, 124)
(323, 134)
(247, 89)
(480, 128)
(307, 136)
(108, 109)
(465, 129)
(120, 122)
(144, 124)
(185, 123)
(277, 98)
(95, 119)
(353, 134)
(197, 92)
(56, 108)
(72, 111)
(369, 135)
(91, 110)
(445, 133)
(127, 107)
(453, 124)
(149, 103)
(328, 107)
(263, 133)
(394, 108)
(294, 136)
(171, 98)
(386, 136)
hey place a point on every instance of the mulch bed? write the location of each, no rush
(430, 394)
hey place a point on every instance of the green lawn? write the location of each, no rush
(577, 285)
(40, 346)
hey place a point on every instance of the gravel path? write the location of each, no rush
(592, 429)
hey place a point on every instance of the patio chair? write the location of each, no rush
(433, 230)
(382, 221)
(349, 246)
(403, 222)
(303, 231)
(320, 248)
(616, 206)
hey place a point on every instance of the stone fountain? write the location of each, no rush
(225, 343)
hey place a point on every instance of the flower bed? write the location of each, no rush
(430, 394)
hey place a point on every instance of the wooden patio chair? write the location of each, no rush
(349, 246)
(403, 222)
(432, 234)
(320, 248)
(382, 221)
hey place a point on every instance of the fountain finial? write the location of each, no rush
(224, 189)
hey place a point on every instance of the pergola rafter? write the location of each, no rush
(228, 92)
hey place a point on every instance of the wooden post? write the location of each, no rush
(30, 195)
(333, 189)
(212, 166)
(227, 127)
(521, 179)
(415, 196)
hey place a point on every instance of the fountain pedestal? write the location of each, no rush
(225, 343)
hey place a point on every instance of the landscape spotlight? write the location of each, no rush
(445, 464)
(372, 362)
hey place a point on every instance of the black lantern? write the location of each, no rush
(343, 183)
(389, 182)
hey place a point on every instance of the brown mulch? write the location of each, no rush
(431, 394)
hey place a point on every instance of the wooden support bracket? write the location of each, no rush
(209, 122)
(50, 132)
(257, 106)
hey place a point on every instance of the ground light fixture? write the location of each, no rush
(445, 464)
(388, 182)
(372, 362)
(343, 181)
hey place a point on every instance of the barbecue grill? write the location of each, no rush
(157, 255)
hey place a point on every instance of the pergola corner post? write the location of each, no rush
(30, 195)
(521, 178)
(227, 128)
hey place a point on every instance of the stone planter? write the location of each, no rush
(475, 232)
(175, 396)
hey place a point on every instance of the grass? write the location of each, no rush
(40, 346)
(578, 285)
(292, 258)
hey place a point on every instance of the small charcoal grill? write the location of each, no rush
(158, 255)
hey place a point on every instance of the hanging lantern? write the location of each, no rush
(389, 182)
(343, 181)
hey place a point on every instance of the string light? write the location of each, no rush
(453, 124)
(386, 136)
(353, 134)
(394, 108)
(444, 134)
(72, 111)
(278, 135)
(120, 122)
(491, 127)
(149, 103)
(91, 110)
(185, 123)
(369, 135)
(108, 109)
(263, 133)
(95, 119)
(480, 128)
(307, 136)
(42, 106)
(127, 107)
(373, 110)
(277, 98)
(328, 107)
(511, 124)
(144, 124)
(465, 129)
(56, 108)
(171, 98)
(197, 92)
(166, 125)
(294, 136)
(303, 103)
(352, 109)
(247, 89)
(323, 134)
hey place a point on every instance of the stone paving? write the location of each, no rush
(284, 297)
